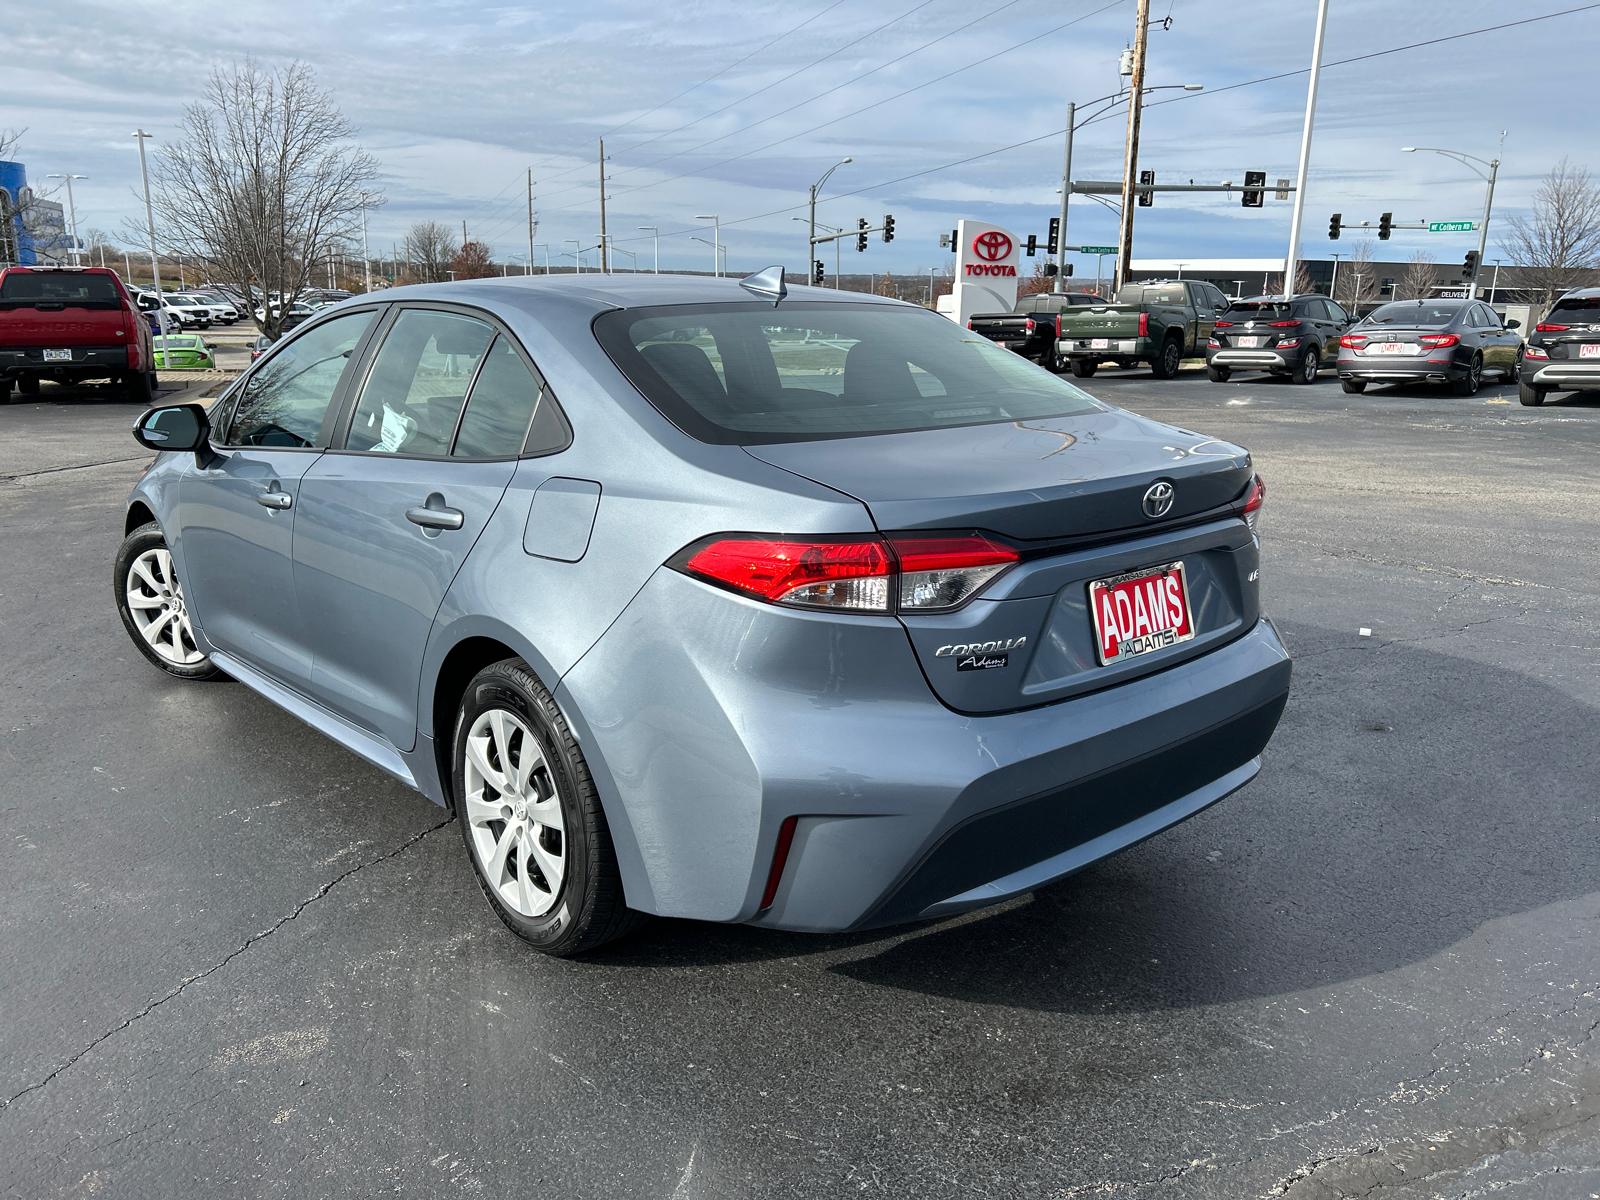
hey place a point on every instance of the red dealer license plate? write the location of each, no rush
(1140, 612)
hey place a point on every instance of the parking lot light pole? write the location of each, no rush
(150, 228)
(657, 233)
(1467, 160)
(716, 245)
(1291, 262)
(72, 212)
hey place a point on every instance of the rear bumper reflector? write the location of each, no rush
(780, 856)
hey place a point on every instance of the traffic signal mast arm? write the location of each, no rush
(1101, 187)
(848, 233)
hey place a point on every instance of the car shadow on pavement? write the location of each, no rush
(1408, 797)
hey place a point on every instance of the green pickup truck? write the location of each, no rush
(1158, 321)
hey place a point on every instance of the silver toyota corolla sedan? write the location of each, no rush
(716, 599)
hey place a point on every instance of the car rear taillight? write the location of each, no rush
(1254, 497)
(1438, 341)
(1058, 324)
(1028, 325)
(1213, 344)
(1224, 325)
(1144, 324)
(1535, 352)
(1547, 328)
(969, 324)
(908, 573)
(1282, 324)
(1353, 341)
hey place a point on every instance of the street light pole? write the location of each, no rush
(72, 212)
(150, 228)
(716, 246)
(811, 244)
(657, 234)
(366, 258)
(1467, 160)
(1291, 262)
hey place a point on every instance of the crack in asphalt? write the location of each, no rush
(110, 462)
(233, 954)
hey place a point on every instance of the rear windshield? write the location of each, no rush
(71, 288)
(1168, 293)
(1576, 304)
(752, 374)
(1251, 307)
(1414, 314)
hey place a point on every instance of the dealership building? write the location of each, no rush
(33, 231)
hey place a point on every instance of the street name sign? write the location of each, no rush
(1451, 226)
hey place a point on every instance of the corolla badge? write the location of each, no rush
(1158, 499)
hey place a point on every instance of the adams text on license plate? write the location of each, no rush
(1139, 612)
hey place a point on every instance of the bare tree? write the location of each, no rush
(473, 261)
(430, 249)
(1416, 280)
(1561, 236)
(263, 183)
(1358, 279)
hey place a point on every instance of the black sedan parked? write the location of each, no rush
(1292, 336)
(1563, 351)
(1457, 342)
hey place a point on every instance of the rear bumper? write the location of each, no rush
(709, 720)
(1246, 360)
(1419, 370)
(1115, 347)
(1562, 376)
(86, 361)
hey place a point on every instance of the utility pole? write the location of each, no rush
(150, 228)
(1066, 190)
(1483, 229)
(532, 224)
(1130, 157)
(1333, 288)
(463, 235)
(605, 263)
(366, 255)
(1291, 261)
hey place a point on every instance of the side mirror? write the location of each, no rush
(1513, 324)
(176, 427)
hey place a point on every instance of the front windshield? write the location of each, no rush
(1419, 312)
(751, 374)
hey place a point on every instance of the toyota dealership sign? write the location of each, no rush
(986, 270)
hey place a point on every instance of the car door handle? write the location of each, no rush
(436, 518)
(274, 499)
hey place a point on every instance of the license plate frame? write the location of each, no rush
(1139, 591)
(1397, 348)
(1249, 341)
(58, 356)
(1099, 343)
(1589, 350)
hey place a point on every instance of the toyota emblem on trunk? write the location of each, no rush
(1158, 500)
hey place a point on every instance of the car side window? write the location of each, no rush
(1488, 318)
(1336, 313)
(1219, 302)
(501, 406)
(286, 397)
(418, 384)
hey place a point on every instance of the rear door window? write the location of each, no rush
(502, 406)
(750, 374)
(418, 384)
(286, 397)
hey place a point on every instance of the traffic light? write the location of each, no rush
(1334, 226)
(1049, 268)
(1385, 226)
(1054, 242)
(1033, 244)
(817, 274)
(1146, 178)
(888, 227)
(861, 238)
(1066, 268)
(1254, 194)
(1469, 269)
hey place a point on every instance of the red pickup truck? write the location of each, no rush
(70, 324)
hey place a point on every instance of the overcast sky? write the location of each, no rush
(735, 108)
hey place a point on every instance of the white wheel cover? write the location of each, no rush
(155, 598)
(513, 814)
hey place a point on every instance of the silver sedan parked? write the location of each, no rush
(716, 600)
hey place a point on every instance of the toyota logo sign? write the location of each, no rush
(1158, 499)
(992, 246)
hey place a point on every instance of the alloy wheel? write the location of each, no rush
(155, 599)
(515, 822)
(1309, 366)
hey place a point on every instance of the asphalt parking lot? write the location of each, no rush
(239, 961)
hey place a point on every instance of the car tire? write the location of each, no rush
(505, 717)
(1165, 365)
(5, 390)
(1082, 368)
(150, 601)
(1352, 387)
(1306, 369)
(141, 387)
(1219, 374)
(28, 385)
(1531, 397)
(1474, 380)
